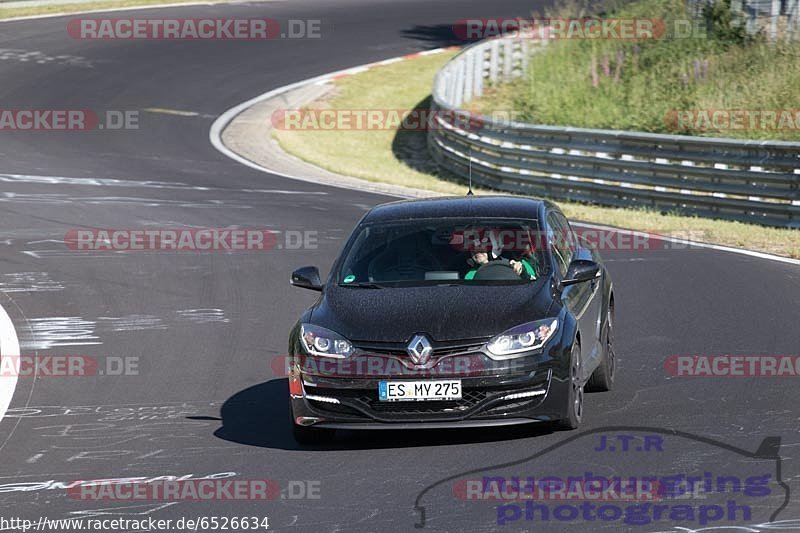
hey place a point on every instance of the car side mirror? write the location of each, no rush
(306, 277)
(580, 270)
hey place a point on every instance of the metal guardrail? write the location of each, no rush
(776, 19)
(750, 181)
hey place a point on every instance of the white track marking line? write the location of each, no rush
(219, 125)
(9, 347)
(177, 112)
(718, 247)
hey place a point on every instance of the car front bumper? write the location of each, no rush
(528, 389)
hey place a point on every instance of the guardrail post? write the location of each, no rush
(794, 21)
(751, 25)
(526, 56)
(775, 12)
(477, 72)
(469, 65)
(494, 58)
(508, 59)
(458, 94)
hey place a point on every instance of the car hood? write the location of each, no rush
(444, 313)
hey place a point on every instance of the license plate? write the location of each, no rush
(395, 391)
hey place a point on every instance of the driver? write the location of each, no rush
(488, 250)
(476, 259)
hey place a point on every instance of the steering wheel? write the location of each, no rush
(496, 270)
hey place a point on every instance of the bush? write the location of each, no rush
(723, 25)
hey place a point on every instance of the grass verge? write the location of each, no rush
(401, 158)
(716, 82)
(376, 154)
(14, 12)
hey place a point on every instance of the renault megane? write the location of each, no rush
(453, 312)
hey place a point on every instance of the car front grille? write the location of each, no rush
(440, 349)
(360, 403)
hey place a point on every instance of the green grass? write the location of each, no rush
(371, 155)
(402, 159)
(638, 85)
(13, 12)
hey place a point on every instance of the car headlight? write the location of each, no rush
(522, 338)
(320, 341)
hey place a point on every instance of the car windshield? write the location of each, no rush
(442, 252)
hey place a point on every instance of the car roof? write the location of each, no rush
(518, 207)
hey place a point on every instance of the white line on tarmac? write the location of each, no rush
(742, 251)
(9, 347)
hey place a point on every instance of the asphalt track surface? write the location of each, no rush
(205, 327)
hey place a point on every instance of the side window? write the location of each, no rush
(570, 240)
(560, 240)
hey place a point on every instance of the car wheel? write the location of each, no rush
(575, 394)
(603, 376)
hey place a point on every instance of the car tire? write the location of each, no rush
(312, 436)
(575, 394)
(602, 379)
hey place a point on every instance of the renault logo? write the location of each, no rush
(420, 349)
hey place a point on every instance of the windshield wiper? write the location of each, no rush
(362, 285)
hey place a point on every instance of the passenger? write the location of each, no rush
(524, 266)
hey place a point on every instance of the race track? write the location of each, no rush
(207, 327)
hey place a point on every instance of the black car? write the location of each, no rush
(453, 312)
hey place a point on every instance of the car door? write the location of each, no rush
(580, 299)
(592, 317)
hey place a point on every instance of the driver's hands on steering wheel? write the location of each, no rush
(517, 266)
